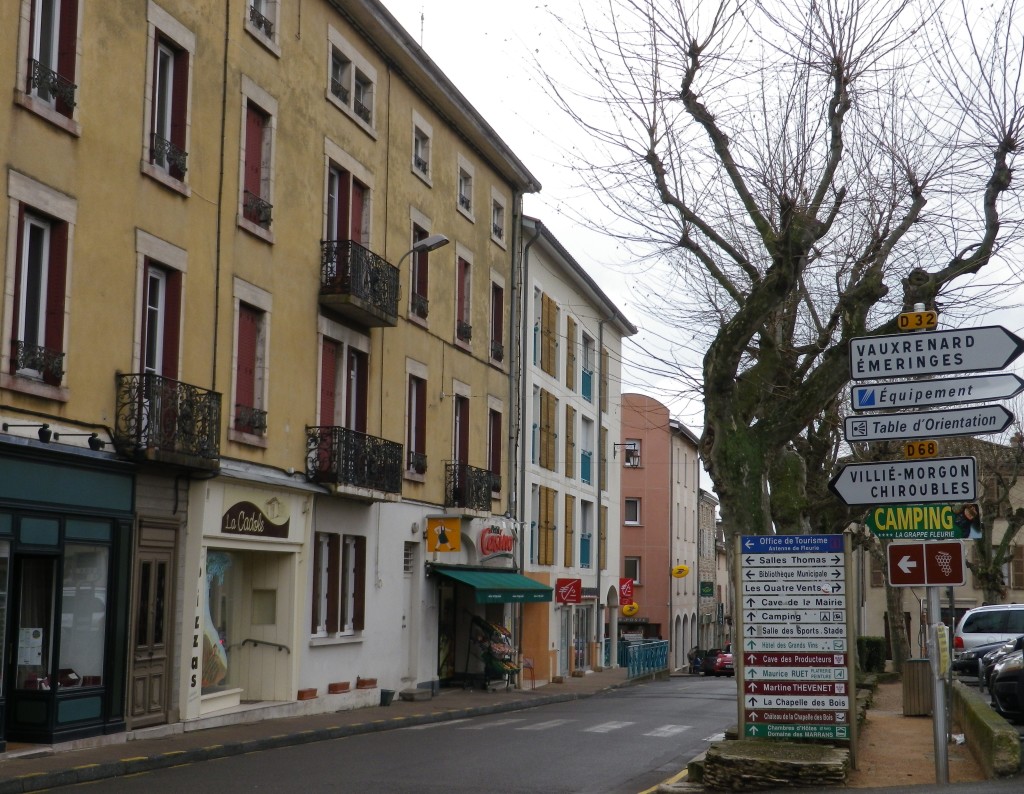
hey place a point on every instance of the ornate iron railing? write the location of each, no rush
(465, 202)
(165, 415)
(261, 22)
(421, 165)
(361, 110)
(417, 462)
(49, 363)
(341, 456)
(420, 305)
(646, 657)
(497, 351)
(256, 210)
(250, 420)
(47, 84)
(498, 230)
(167, 155)
(340, 91)
(467, 486)
(464, 331)
(347, 267)
(587, 385)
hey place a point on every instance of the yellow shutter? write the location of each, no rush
(570, 517)
(602, 538)
(551, 418)
(1017, 569)
(570, 441)
(546, 554)
(549, 334)
(570, 353)
(602, 471)
(604, 379)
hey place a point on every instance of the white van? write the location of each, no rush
(987, 624)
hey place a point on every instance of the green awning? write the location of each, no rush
(499, 587)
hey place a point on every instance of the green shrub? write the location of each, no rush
(871, 654)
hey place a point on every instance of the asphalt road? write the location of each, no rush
(621, 742)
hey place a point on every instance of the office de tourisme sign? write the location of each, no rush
(907, 482)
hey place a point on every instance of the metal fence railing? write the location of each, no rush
(644, 657)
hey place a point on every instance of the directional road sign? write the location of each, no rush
(982, 349)
(796, 688)
(916, 522)
(936, 564)
(907, 482)
(977, 420)
(944, 391)
(792, 644)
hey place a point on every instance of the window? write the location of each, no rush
(344, 365)
(603, 398)
(631, 569)
(339, 584)
(570, 441)
(494, 434)
(248, 417)
(161, 320)
(1017, 569)
(463, 326)
(631, 512)
(352, 81)
(421, 152)
(261, 21)
(569, 540)
(347, 207)
(548, 430)
(570, 353)
(877, 575)
(546, 527)
(548, 334)
(497, 220)
(416, 430)
(587, 381)
(497, 322)
(586, 450)
(165, 150)
(464, 197)
(420, 276)
(586, 533)
(52, 60)
(256, 208)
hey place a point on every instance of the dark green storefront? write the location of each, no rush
(65, 554)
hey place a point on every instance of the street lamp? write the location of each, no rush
(427, 244)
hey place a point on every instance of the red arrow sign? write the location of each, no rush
(935, 564)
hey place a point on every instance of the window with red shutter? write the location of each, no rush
(249, 320)
(328, 381)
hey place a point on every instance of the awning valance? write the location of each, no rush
(499, 587)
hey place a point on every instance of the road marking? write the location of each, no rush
(543, 726)
(608, 727)
(434, 725)
(479, 726)
(716, 737)
(668, 730)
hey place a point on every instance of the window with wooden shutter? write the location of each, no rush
(1017, 569)
(569, 519)
(602, 538)
(329, 381)
(602, 472)
(255, 207)
(548, 427)
(546, 527)
(497, 321)
(570, 441)
(604, 379)
(245, 374)
(877, 576)
(494, 434)
(570, 353)
(549, 334)
(416, 435)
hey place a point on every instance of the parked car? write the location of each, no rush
(986, 625)
(717, 662)
(970, 663)
(1008, 686)
(996, 655)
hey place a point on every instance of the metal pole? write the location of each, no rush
(938, 688)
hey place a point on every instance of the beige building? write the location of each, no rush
(259, 270)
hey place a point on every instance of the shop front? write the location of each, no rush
(478, 593)
(65, 555)
(245, 569)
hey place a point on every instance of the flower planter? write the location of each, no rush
(366, 683)
(338, 687)
(307, 694)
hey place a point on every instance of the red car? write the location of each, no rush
(717, 662)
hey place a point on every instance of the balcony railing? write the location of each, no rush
(340, 91)
(464, 331)
(340, 456)
(168, 421)
(358, 283)
(421, 165)
(36, 358)
(497, 351)
(498, 230)
(361, 110)
(48, 85)
(467, 486)
(585, 542)
(250, 420)
(587, 385)
(261, 22)
(465, 202)
(166, 155)
(585, 460)
(257, 210)
(420, 305)
(417, 463)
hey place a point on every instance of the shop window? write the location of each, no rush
(339, 584)
(83, 615)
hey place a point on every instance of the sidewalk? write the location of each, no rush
(34, 767)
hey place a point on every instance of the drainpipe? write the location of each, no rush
(671, 534)
(599, 625)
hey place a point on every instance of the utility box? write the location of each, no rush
(917, 688)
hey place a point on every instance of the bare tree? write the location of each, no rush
(778, 159)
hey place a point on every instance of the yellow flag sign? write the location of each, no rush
(444, 533)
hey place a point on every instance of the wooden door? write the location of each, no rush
(153, 599)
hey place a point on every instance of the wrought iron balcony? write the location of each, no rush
(261, 22)
(497, 351)
(250, 420)
(357, 283)
(417, 462)
(464, 331)
(464, 202)
(421, 165)
(48, 85)
(419, 305)
(467, 487)
(339, 456)
(36, 358)
(340, 91)
(167, 421)
(256, 210)
(361, 110)
(498, 230)
(166, 155)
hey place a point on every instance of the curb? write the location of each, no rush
(90, 773)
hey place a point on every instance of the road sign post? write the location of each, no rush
(928, 393)
(976, 420)
(907, 482)
(933, 352)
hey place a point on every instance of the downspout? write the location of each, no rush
(515, 358)
(220, 192)
(598, 624)
(671, 534)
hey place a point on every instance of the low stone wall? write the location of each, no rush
(752, 765)
(994, 743)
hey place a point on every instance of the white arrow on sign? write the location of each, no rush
(988, 348)
(906, 564)
(978, 420)
(907, 482)
(944, 391)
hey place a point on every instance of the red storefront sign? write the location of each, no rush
(625, 591)
(569, 591)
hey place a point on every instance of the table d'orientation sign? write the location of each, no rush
(794, 658)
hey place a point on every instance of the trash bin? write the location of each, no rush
(386, 696)
(917, 688)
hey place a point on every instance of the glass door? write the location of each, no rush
(33, 629)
